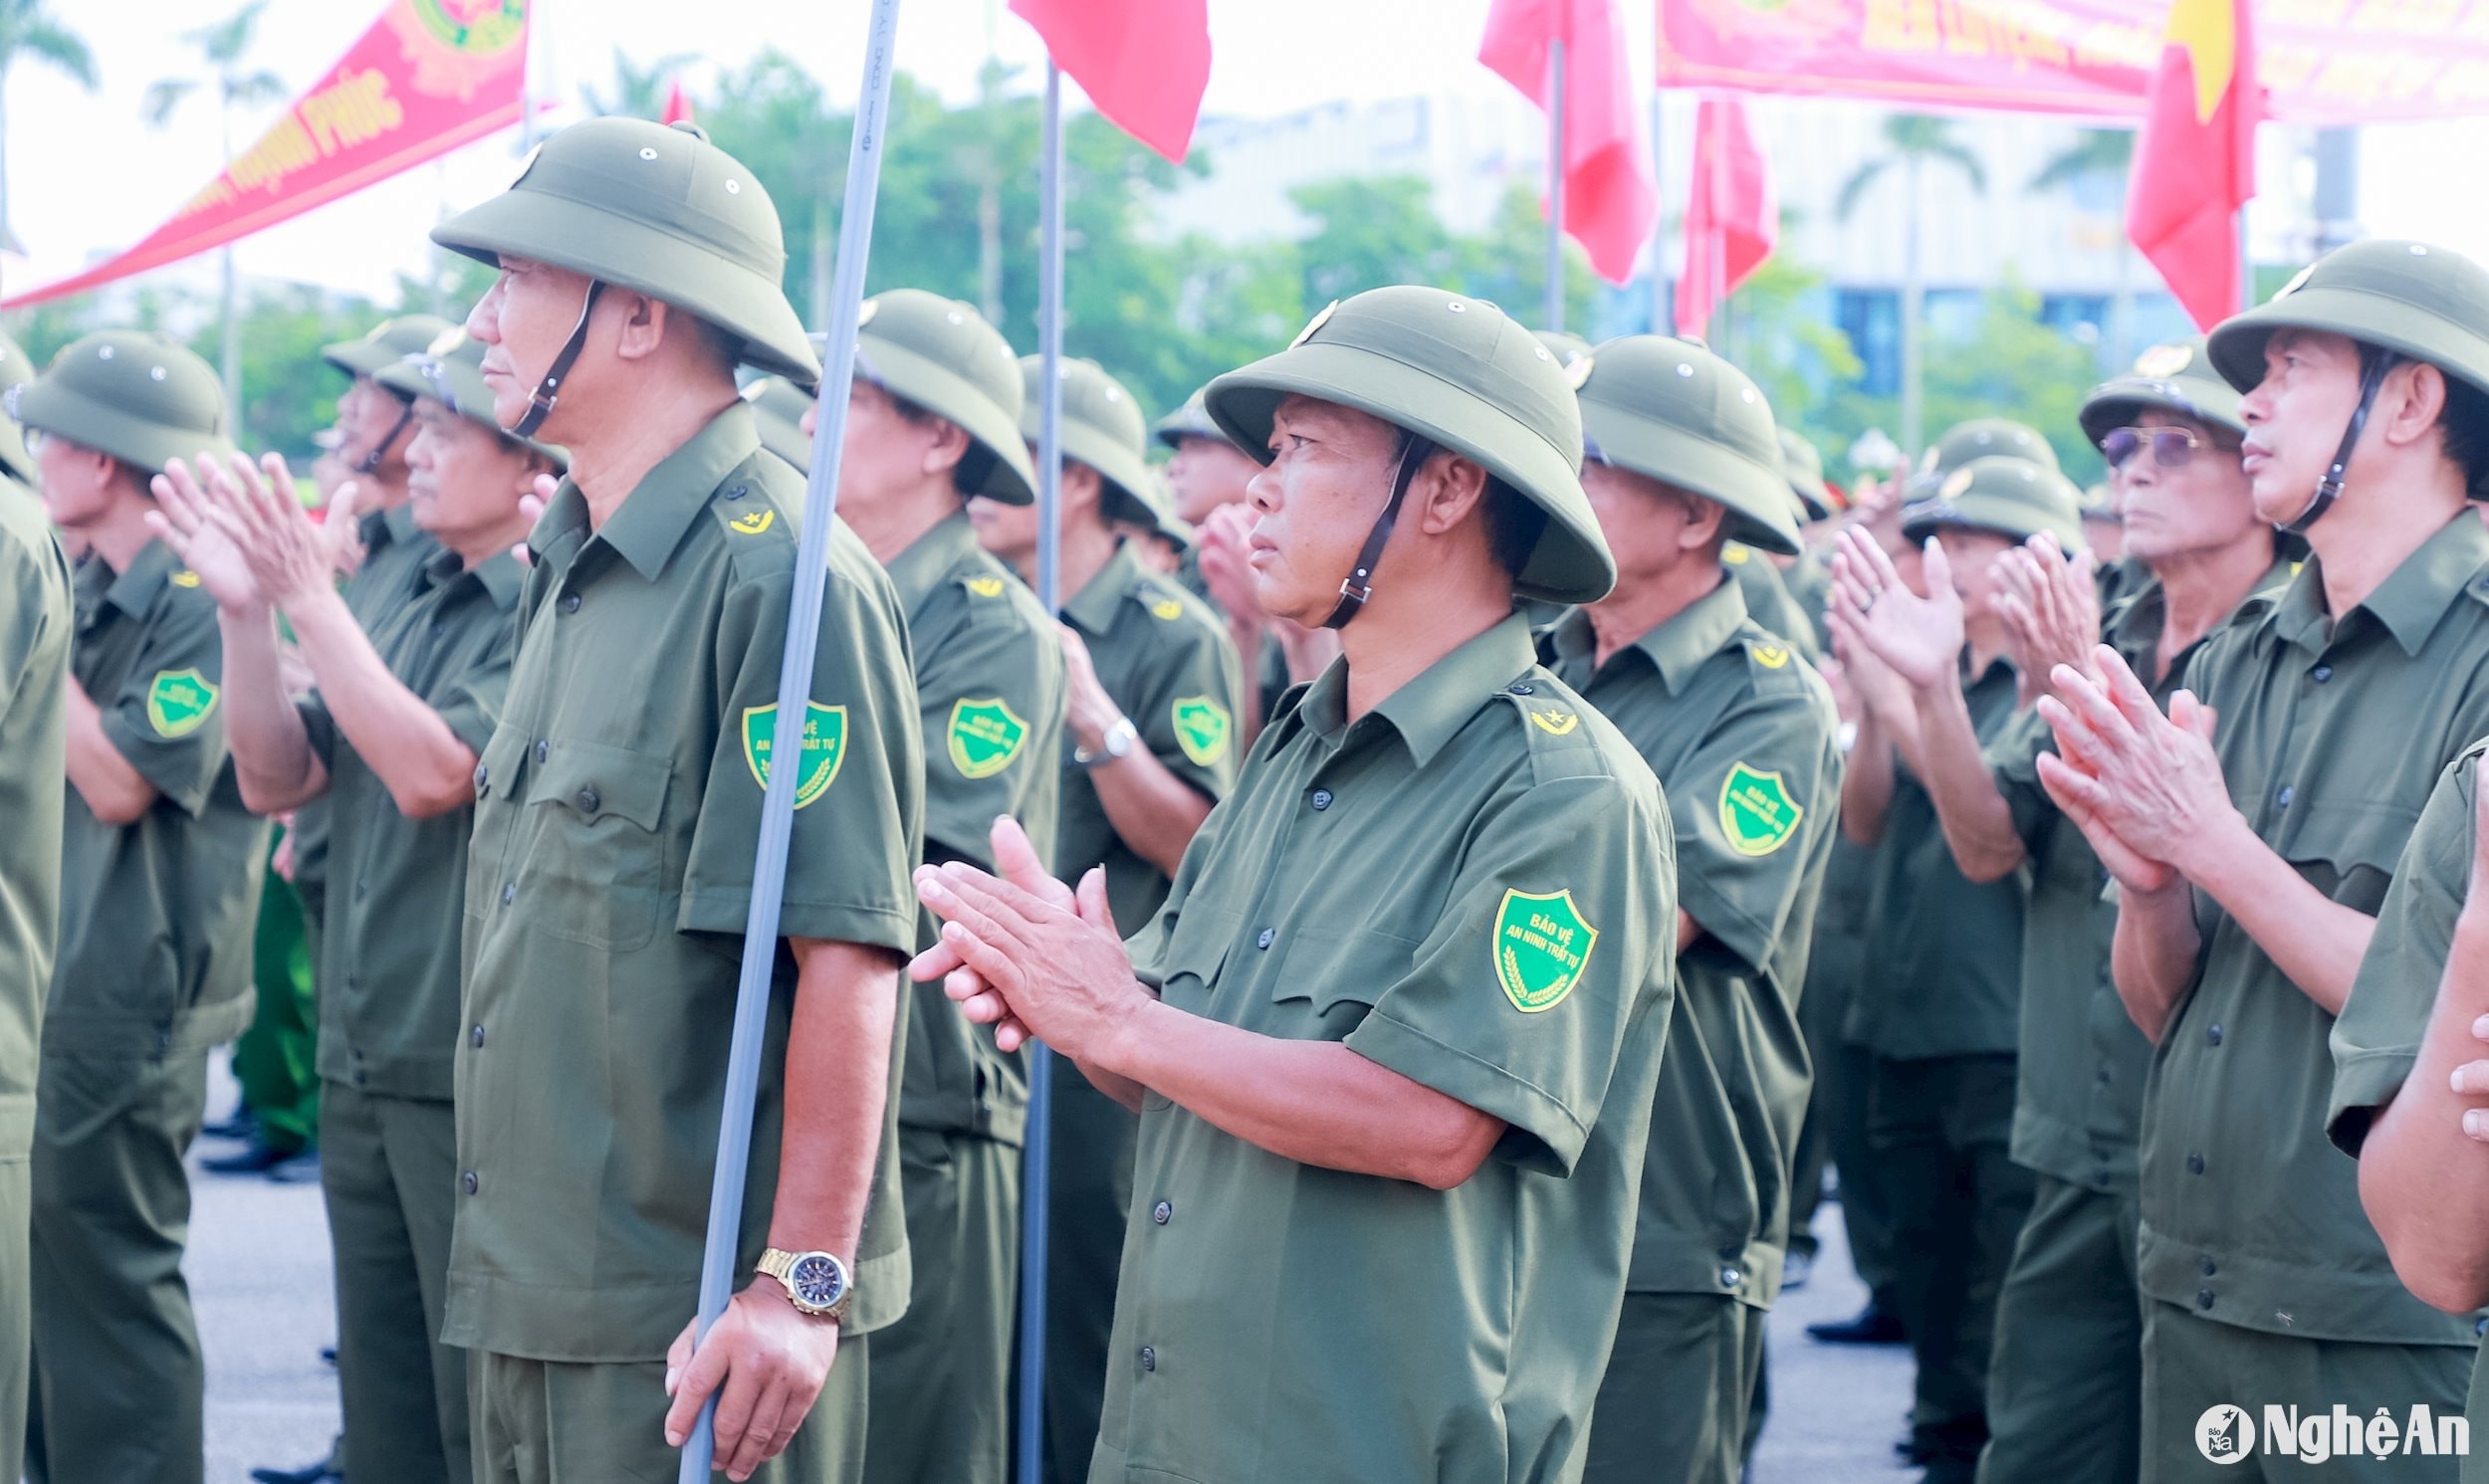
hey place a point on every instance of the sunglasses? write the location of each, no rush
(2170, 447)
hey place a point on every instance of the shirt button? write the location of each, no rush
(2321, 674)
(1162, 1214)
(468, 1182)
(1729, 1277)
(1321, 798)
(543, 749)
(1264, 940)
(1523, 688)
(2203, 1298)
(588, 800)
(2283, 799)
(738, 493)
(2213, 1034)
(2104, 1076)
(475, 1037)
(2480, 1326)
(2195, 1164)
(1149, 1358)
(570, 602)
(509, 892)
(2209, 1269)
(483, 775)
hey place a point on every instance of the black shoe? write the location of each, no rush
(1872, 1326)
(260, 1158)
(243, 1125)
(318, 1473)
(328, 1356)
(301, 1167)
(1911, 1452)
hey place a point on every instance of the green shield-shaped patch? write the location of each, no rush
(824, 746)
(180, 701)
(1757, 812)
(1201, 727)
(1542, 945)
(985, 736)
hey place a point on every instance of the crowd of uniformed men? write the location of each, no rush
(1488, 825)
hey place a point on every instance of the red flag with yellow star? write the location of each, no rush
(2196, 163)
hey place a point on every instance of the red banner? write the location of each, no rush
(429, 76)
(2321, 60)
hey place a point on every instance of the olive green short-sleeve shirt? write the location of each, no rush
(1943, 972)
(37, 621)
(389, 936)
(156, 913)
(2078, 1098)
(617, 807)
(989, 694)
(1769, 599)
(1474, 886)
(2332, 734)
(1744, 740)
(1167, 660)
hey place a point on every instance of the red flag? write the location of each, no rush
(1144, 63)
(1610, 203)
(2196, 163)
(677, 107)
(1732, 218)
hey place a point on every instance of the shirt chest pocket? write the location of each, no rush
(1320, 980)
(591, 863)
(2348, 849)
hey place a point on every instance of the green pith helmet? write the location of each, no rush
(16, 369)
(1102, 428)
(1985, 438)
(1192, 420)
(778, 408)
(1567, 348)
(450, 370)
(2426, 303)
(1673, 411)
(2177, 378)
(2010, 497)
(1803, 463)
(658, 209)
(139, 396)
(2097, 503)
(940, 354)
(390, 341)
(1460, 373)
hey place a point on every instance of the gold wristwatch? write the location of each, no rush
(816, 1282)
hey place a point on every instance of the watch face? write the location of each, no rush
(817, 1280)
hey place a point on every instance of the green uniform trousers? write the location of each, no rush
(2193, 1363)
(1092, 1170)
(1843, 1084)
(117, 1392)
(1673, 1404)
(2066, 1384)
(560, 1422)
(941, 1384)
(275, 1059)
(388, 1167)
(15, 1324)
(1940, 1126)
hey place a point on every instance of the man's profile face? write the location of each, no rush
(887, 455)
(1007, 531)
(2202, 505)
(1643, 521)
(1207, 473)
(1328, 480)
(1973, 555)
(461, 478)
(522, 321)
(2296, 417)
(367, 415)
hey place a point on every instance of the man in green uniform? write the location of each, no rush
(2065, 1391)
(391, 736)
(275, 1059)
(934, 420)
(159, 876)
(1395, 1033)
(1148, 747)
(1742, 735)
(36, 624)
(2251, 864)
(1944, 951)
(608, 883)
(1205, 470)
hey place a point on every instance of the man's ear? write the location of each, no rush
(948, 447)
(2413, 399)
(642, 323)
(1448, 490)
(1706, 521)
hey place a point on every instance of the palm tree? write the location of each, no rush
(2101, 154)
(1911, 140)
(29, 35)
(221, 45)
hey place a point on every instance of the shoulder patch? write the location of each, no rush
(1756, 810)
(1737, 554)
(824, 747)
(985, 735)
(1769, 656)
(754, 524)
(1542, 945)
(986, 587)
(180, 701)
(1167, 609)
(1201, 729)
(185, 579)
(1552, 719)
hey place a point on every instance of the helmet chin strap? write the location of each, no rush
(548, 391)
(370, 462)
(1358, 585)
(2329, 489)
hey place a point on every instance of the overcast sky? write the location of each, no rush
(86, 176)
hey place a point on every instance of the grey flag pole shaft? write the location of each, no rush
(795, 693)
(1555, 186)
(1037, 1179)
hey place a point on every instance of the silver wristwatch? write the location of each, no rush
(1113, 746)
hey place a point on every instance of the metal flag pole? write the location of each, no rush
(795, 693)
(1555, 186)
(1663, 322)
(1036, 1182)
